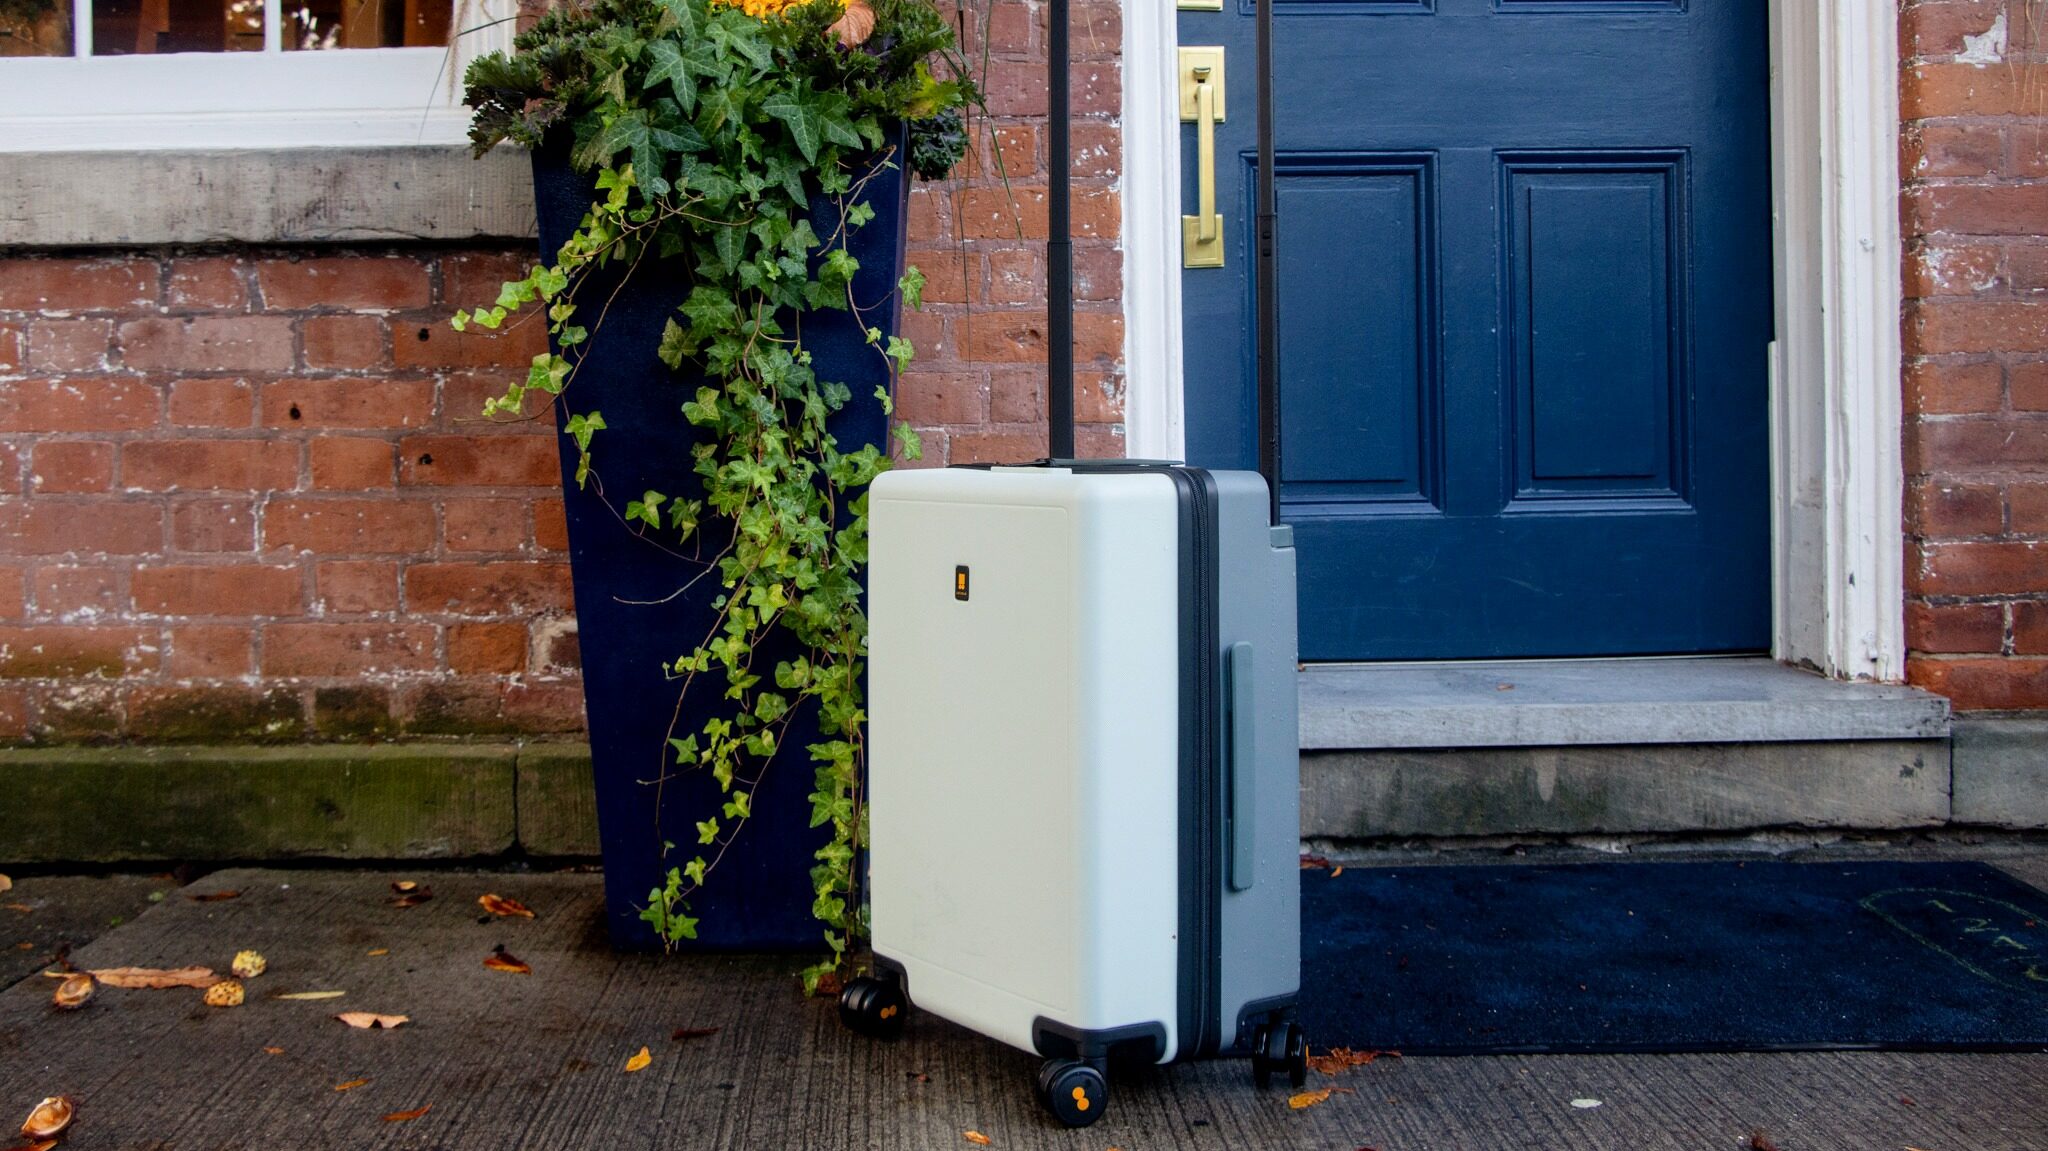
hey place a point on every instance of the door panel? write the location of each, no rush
(1525, 305)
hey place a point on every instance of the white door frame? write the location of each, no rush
(1837, 473)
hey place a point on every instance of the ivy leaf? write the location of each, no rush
(645, 508)
(581, 427)
(911, 285)
(707, 831)
(806, 126)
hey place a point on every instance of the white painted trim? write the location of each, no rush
(1838, 473)
(196, 101)
(1153, 425)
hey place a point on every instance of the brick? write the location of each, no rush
(208, 344)
(941, 398)
(434, 344)
(930, 215)
(1930, 91)
(57, 466)
(14, 711)
(2029, 384)
(932, 335)
(214, 713)
(11, 337)
(2017, 442)
(2030, 628)
(78, 594)
(208, 284)
(76, 713)
(1098, 273)
(218, 590)
(2029, 508)
(479, 461)
(65, 285)
(213, 525)
(487, 589)
(1936, 150)
(463, 395)
(353, 463)
(1975, 569)
(1935, 327)
(342, 527)
(1019, 337)
(949, 277)
(1952, 270)
(356, 587)
(57, 651)
(212, 403)
(209, 465)
(996, 214)
(52, 528)
(13, 593)
(69, 345)
(2027, 268)
(472, 279)
(78, 405)
(1955, 628)
(1937, 27)
(550, 526)
(483, 525)
(1015, 276)
(345, 342)
(487, 648)
(353, 711)
(348, 404)
(1978, 210)
(1952, 388)
(558, 646)
(1948, 509)
(1010, 28)
(983, 447)
(346, 649)
(210, 651)
(356, 283)
(1984, 684)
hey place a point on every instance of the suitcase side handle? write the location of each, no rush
(1242, 763)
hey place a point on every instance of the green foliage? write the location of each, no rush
(709, 131)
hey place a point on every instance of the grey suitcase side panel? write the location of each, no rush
(1259, 926)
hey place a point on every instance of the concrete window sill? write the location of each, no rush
(288, 196)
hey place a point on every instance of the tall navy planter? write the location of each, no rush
(759, 896)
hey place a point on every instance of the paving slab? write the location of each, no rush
(44, 914)
(537, 1061)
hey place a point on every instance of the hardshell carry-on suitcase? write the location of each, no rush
(1084, 830)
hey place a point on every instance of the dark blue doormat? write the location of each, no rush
(1758, 956)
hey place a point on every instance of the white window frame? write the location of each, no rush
(272, 99)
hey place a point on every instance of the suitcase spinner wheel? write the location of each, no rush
(1076, 1091)
(874, 1006)
(1279, 1047)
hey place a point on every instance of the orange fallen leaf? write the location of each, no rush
(273, 1050)
(1336, 871)
(1311, 1098)
(201, 977)
(1339, 1059)
(370, 1019)
(351, 1085)
(408, 1116)
(404, 886)
(855, 25)
(215, 896)
(1314, 862)
(25, 945)
(34, 1145)
(6, 884)
(975, 1137)
(309, 996)
(639, 1062)
(380, 951)
(503, 905)
(412, 897)
(21, 907)
(503, 960)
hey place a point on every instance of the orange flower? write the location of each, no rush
(763, 9)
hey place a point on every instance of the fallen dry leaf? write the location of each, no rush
(975, 1137)
(215, 896)
(307, 996)
(157, 977)
(639, 1062)
(35, 1145)
(403, 887)
(1336, 871)
(226, 993)
(855, 25)
(248, 964)
(1314, 863)
(502, 960)
(408, 1116)
(406, 893)
(370, 1019)
(1303, 1099)
(351, 1085)
(273, 1050)
(379, 951)
(692, 1032)
(25, 945)
(75, 992)
(50, 1117)
(503, 905)
(21, 907)
(1760, 1140)
(1339, 1059)
(6, 884)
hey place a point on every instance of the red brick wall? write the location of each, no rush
(244, 494)
(1975, 158)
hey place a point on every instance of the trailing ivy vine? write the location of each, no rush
(709, 127)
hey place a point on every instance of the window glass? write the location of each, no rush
(321, 24)
(154, 27)
(35, 27)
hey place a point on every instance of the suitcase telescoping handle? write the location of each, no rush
(1241, 764)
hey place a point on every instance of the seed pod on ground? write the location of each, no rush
(50, 1118)
(75, 992)
(248, 964)
(226, 993)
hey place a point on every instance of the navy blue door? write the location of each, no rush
(1525, 301)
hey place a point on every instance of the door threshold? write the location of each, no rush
(1571, 702)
